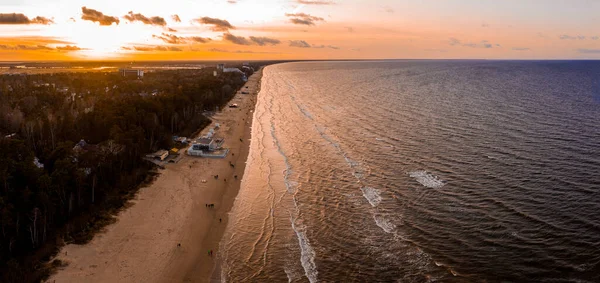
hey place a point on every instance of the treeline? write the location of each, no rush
(71, 149)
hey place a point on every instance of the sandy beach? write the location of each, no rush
(166, 235)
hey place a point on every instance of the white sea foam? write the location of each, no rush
(307, 254)
(290, 273)
(359, 171)
(384, 224)
(290, 185)
(305, 112)
(358, 175)
(427, 179)
(302, 108)
(372, 195)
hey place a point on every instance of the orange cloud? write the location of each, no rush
(239, 40)
(217, 24)
(24, 47)
(152, 48)
(98, 17)
(240, 51)
(155, 21)
(174, 39)
(257, 40)
(315, 2)
(265, 40)
(299, 43)
(68, 48)
(20, 19)
(304, 19)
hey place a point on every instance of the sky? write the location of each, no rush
(56, 30)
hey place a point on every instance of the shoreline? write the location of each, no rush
(230, 196)
(167, 232)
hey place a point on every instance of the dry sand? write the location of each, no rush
(142, 246)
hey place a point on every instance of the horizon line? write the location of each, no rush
(300, 60)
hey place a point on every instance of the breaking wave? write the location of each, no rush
(384, 224)
(307, 256)
(427, 179)
(372, 195)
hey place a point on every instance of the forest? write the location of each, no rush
(71, 148)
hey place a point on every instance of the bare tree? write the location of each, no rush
(94, 187)
(30, 132)
(52, 126)
(33, 227)
(174, 120)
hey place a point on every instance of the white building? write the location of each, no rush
(204, 144)
(208, 147)
(131, 73)
(232, 70)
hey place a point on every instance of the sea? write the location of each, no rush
(420, 171)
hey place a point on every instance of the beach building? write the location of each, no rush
(182, 140)
(131, 73)
(161, 154)
(208, 147)
(222, 68)
(204, 144)
(232, 70)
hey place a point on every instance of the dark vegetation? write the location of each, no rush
(43, 118)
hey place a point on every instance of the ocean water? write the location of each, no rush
(421, 171)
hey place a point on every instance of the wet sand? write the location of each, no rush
(167, 234)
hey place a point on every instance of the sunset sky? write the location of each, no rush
(298, 29)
